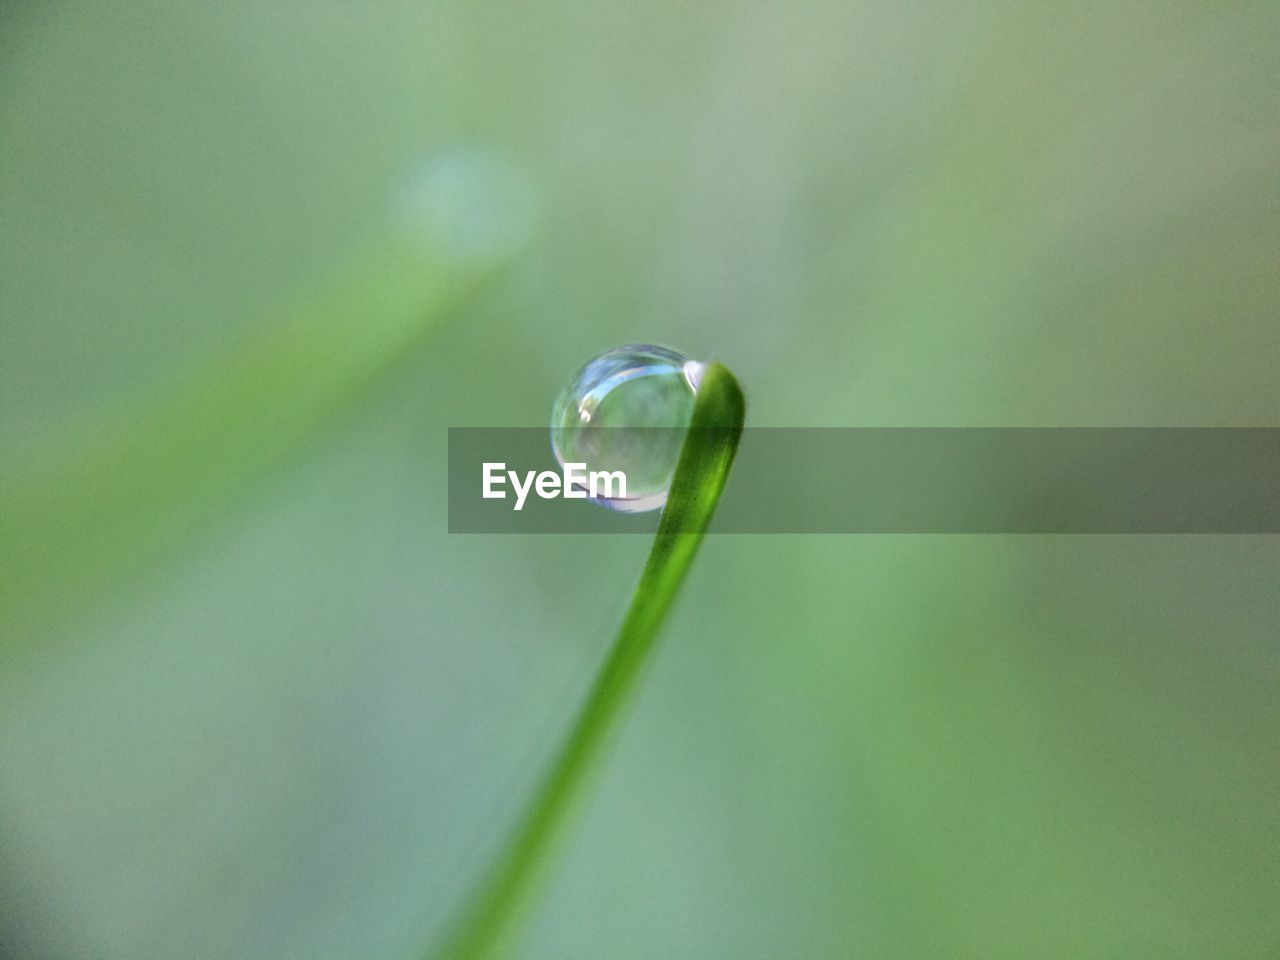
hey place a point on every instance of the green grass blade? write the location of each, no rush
(73, 525)
(699, 479)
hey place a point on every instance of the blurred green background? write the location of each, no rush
(255, 258)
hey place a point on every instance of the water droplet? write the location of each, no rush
(628, 410)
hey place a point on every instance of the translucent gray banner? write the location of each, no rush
(921, 480)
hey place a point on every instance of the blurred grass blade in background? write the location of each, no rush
(74, 528)
(718, 417)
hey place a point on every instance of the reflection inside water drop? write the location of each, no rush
(628, 410)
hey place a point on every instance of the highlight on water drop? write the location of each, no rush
(628, 410)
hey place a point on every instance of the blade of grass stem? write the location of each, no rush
(490, 916)
(74, 524)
